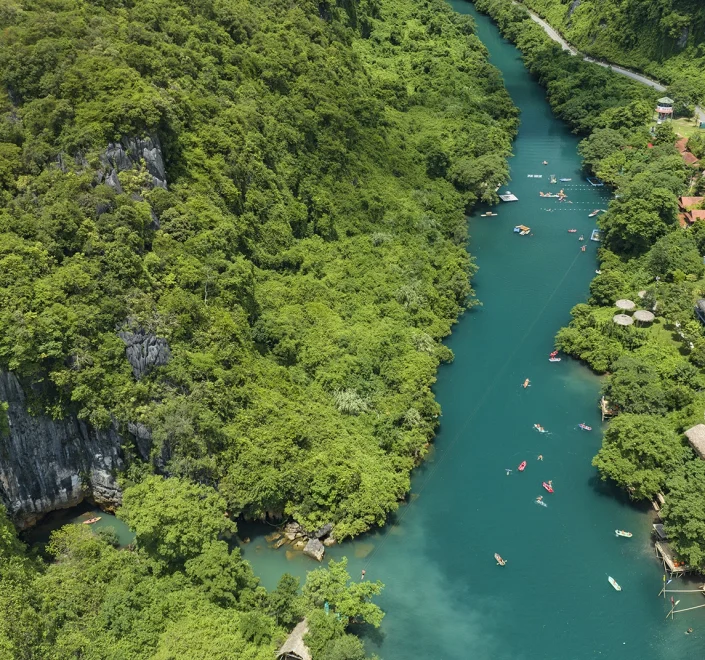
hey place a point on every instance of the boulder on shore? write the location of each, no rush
(314, 548)
(329, 541)
(322, 531)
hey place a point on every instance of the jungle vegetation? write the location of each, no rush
(655, 374)
(662, 38)
(304, 262)
(183, 593)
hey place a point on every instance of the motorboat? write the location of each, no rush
(522, 465)
(621, 532)
(554, 359)
(526, 384)
(613, 582)
(90, 521)
(584, 427)
(539, 428)
(547, 486)
(500, 561)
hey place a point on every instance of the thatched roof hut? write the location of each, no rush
(625, 304)
(622, 319)
(643, 316)
(294, 648)
(696, 438)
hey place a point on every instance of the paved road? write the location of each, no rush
(618, 69)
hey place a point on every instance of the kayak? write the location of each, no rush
(621, 532)
(522, 465)
(548, 487)
(554, 359)
(500, 561)
(613, 582)
(584, 427)
(90, 521)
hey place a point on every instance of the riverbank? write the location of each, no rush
(445, 596)
(650, 260)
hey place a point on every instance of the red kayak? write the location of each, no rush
(522, 465)
(548, 487)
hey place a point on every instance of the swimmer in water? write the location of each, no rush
(539, 457)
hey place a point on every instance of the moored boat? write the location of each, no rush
(621, 532)
(613, 582)
(500, 561)
(554, 359)
(522, 465)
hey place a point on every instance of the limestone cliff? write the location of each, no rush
(48, 464)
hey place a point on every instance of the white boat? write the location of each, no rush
(554, 359)
(621, 532)
(508, 197)
(564, 180)
(613, 582)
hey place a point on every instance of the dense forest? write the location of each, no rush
(655, 379)
(300, 263)
(663, 38)
(270, 197)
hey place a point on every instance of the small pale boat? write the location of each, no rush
(584, 427)
(547, 486)
(539, 428)
(621, 532)
(599, 272)
(545, 162)
(613, 582)
(594, 213)
(522, 465)
(572, 231)
(554, 359)
(564, 180)
(526, 384)
(90, 521)
(500, 561)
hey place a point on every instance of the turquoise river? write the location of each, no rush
(445, 597)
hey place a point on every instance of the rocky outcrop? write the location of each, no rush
(144, 351)
(314, 548)
(130, 152)
(48, 464)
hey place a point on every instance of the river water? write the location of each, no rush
(445, 597)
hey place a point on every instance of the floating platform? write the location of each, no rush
(596, 236)
(509, 197)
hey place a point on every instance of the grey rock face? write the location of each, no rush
(323, 531)
(314, 548)
(48, 464)
(128, 153)
(144, 351)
